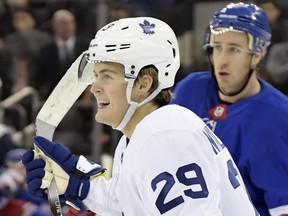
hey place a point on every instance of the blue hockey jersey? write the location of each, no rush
(255, 131)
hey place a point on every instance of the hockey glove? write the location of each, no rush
(72, 174)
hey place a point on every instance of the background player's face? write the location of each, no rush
(109, 89)
(232, 60)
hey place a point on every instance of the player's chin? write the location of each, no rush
(99, 118)
(102, 119)
(228, 91)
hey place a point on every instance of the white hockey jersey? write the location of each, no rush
(172, 165)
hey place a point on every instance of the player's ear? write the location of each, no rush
(146, 82)
(142, 87)
(257, 57)
(143, 82)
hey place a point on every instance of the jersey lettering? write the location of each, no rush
(210, 123)
(218, 147)
(181, 175)
(216, 143)
(232, 173)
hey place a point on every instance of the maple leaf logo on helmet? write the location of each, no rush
(147, 27)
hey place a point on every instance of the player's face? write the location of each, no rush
(232, 60)
(109, 89)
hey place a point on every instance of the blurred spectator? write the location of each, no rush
(57, 56)
(9, 7)
(14, 197)
(5, 71)
(39, 9)
(118, 11)
(84, 12)
(279, 25)
(277, 66)
(14, 177)
(11, 206)
(6, 142)
(13, 159)
(279, 30)
(24, 45)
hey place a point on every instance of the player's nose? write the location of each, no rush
(96, 88)
(222, 60)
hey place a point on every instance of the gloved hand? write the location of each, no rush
(72, 174)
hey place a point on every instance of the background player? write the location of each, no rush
(246, 113)
(14, 197)
(168, 162)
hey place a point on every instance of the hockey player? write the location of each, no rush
(168, 162)
(246, 113)
(14, 198)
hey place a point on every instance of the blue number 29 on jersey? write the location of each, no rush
(197, 181)
(181, 177)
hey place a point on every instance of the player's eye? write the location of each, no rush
(106, 76)
(234, 49)
(216, 47)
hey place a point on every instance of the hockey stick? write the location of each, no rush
(53, 111)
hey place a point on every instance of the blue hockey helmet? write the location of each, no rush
(14, 156)
(248, 18)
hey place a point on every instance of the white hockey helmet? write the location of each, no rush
(136, 43)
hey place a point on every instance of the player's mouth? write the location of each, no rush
(102, 104)
(223, 73)
(223, 76)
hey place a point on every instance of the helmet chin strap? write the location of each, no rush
(240, 90)
(134, 105)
